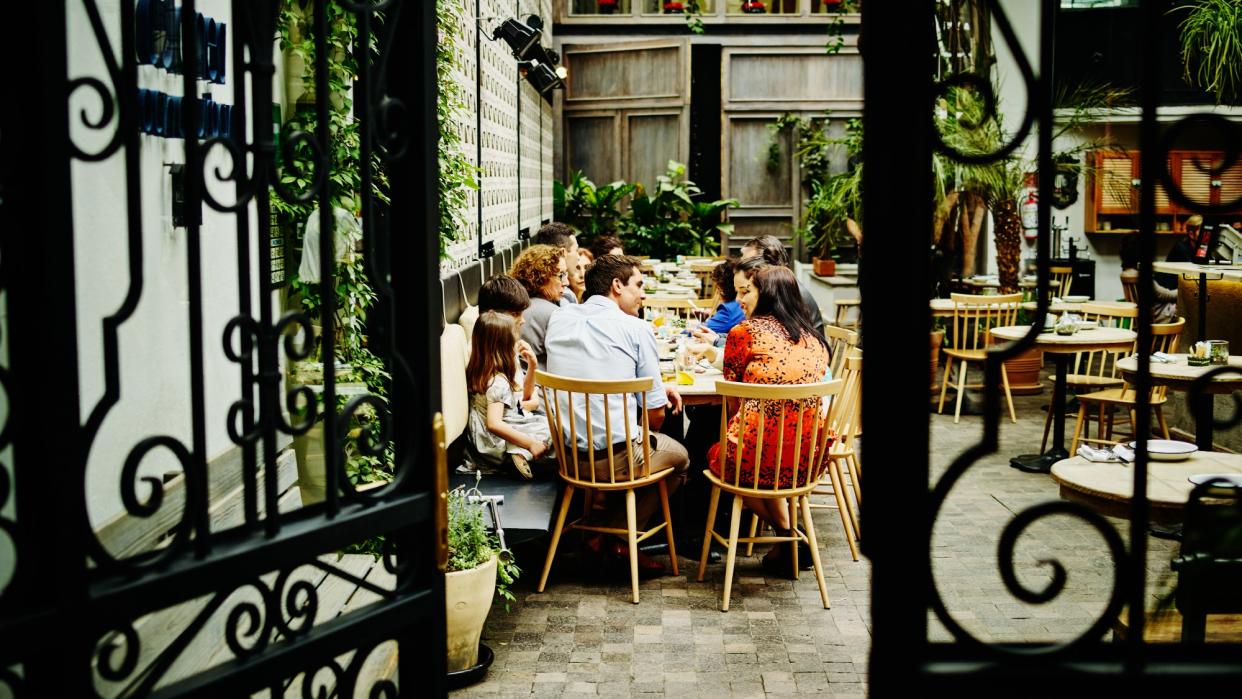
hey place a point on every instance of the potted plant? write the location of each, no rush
(665, 220)
(1211, 43)
(607, 7)
(753, 7)
(478, 569)
(672, 7)
(594, 211)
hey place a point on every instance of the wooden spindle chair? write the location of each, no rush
(974, 316)
(843, 457)
(1096, 369)
(804, 468)
(840, 342)
(1060, 280)
(1164, 338)
(680, 308)
(577, 468)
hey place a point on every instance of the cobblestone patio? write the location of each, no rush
(585, 637)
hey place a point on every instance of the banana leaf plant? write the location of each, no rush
(594, 211)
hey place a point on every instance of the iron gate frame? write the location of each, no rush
(899, 72)
(56, 609)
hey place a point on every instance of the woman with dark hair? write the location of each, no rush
(776, 344)
(728, 312)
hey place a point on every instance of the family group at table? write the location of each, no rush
(576, 313)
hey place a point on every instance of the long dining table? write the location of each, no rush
(1062, 348)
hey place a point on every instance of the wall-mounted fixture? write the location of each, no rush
(540, 75)
(536, 63)
(523, 39)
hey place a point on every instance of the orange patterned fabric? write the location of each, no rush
(759, 351)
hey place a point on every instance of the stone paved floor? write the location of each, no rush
(584, 637)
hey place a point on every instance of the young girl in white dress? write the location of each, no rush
(503, 420)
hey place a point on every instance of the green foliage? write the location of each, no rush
(471, 543)
(1211, 39)
(594, 211)
(665, 220)
(833, 197)
(458, 176)
(694, 16)
(836, 39)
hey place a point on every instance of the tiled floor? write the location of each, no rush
(585, 637)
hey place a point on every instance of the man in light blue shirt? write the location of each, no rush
(604, 338)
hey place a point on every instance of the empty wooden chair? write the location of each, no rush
(797, 470)
(844, 318)
(1060, 280)
(1164, 339)
(840, 342)
(974, 316)
(628, 467)
(679, 308)
(1096, 369)
(843, 458)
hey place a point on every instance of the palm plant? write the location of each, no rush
(594, 211)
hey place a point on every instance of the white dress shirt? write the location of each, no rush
(597, 340)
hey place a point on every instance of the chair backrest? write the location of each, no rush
(1164, 338)
(847, 407)
(975, 314)
(802, 463)
(1129, 284)
(682, 308)
(840, 341)
(1103, 363)
(1060, 279)
(562, 394)
(454, 393)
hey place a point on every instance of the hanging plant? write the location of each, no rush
(458, 176)
(1211, 39)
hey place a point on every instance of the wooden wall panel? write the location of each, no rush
(649, 73)
(463, 252)
(653, 139)
(749, 178)
(794, 78)
(592, 142)
(746, 227)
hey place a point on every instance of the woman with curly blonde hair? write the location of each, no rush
(541, 269)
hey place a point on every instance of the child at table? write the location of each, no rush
(502, 421)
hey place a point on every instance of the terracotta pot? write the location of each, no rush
(1023, 372)
(467, 600)
(825, 268)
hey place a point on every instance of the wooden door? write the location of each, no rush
(626, 110)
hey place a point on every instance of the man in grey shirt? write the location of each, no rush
(773, 253)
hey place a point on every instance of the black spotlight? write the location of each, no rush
(542, 77)
(521, 38)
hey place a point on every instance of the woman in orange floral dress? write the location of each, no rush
(776, 344)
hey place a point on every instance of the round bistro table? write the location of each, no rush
(1178, 375)
(1108, 487)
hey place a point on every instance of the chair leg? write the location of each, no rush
(944, 383)
(1164, 426)
(961, 391)
(556, 536)
(856, 502)
(1099, 422)
(850, 503)
(1078, 433)
(632, 534)
(1008, 396)
(754, 531)
(792, 504)
(815, 560)
(1043, 444)
(842, 508)
(731, 557)
(855, 471)
(709, 530)
(668, 526)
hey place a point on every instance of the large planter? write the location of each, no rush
(937, 340)
(467, 600)
(1023, 372)
(312, 479)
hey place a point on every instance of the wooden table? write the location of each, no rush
(702, 391)
(944, 307)
(1108, 487)
(1179, 375)
(1062, 348)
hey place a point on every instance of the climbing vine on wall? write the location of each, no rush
(458, 176)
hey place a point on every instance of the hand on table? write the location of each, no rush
(705, 335)
(674, 400)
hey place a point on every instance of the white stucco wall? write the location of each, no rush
(154, 344)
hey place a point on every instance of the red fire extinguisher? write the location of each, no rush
(1029, 209)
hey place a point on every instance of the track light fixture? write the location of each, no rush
(541, 76)
(520, 37)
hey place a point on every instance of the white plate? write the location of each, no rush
(1168, 449)
(1076, 299)
(1233, 479)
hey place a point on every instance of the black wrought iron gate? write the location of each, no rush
(900, 65)
(68, 604)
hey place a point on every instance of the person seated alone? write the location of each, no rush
(605, 338)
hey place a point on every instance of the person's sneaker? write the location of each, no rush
(522, 466)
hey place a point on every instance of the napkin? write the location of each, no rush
(1106, 455)
(1161, 357)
